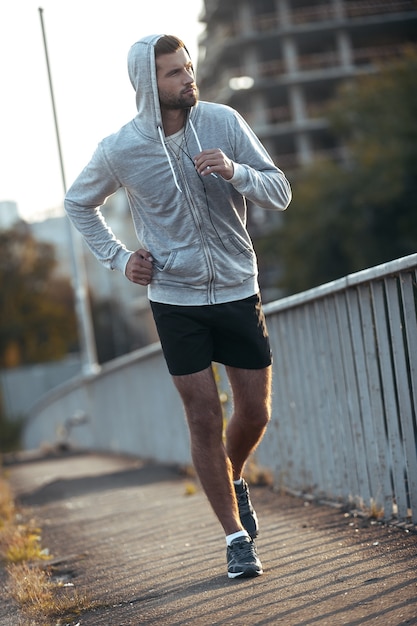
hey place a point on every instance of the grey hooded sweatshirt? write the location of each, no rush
(194, 227)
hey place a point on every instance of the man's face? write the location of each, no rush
(176, 83)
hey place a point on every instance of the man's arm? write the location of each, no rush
(249, 169)
(82, 204)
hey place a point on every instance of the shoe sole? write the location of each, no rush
(247, 573)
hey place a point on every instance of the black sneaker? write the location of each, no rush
(247, 514)
(242, 560)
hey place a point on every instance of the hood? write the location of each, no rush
(142, 73)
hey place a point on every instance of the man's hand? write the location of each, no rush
(214, 161)
(139, 267)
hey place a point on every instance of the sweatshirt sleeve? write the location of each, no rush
(255, 175)
(82, 204)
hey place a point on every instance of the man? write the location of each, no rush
(187, 168)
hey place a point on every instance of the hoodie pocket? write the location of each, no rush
(187, 264)
(234, 261)
(240, 247)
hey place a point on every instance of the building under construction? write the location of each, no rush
(279, 62)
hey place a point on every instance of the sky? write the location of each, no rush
(87, 42)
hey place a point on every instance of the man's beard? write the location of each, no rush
(174, 102)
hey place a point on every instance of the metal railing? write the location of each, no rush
(345, 380)
(345, 396)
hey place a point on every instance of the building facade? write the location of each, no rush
(279, 63)
(9, 214)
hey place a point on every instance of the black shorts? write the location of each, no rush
(233, 333)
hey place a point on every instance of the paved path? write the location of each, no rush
(130, 536)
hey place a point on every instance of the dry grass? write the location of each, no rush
(376, 511)
(40, 597)
(30, 587)
(30, 584)
(356, 507)
(7, 505)
(19, 540)
(22, 542)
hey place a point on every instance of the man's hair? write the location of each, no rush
(168, 44)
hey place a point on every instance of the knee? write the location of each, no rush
(262, 418)
(204, 414)
(255, 415)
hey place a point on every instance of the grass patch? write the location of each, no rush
(30, 582)
(7, 505)
(376, 511)
(22, 542)
(41, 598)
(20, 539)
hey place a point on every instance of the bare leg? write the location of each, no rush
(214, 469)
(252, 411)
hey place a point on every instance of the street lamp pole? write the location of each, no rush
(85, 326)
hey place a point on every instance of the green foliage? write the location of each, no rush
(37, 319)
(348, 216)
(10, 433)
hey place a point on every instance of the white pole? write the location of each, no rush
(85, 327)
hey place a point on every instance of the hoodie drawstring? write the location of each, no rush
(195, 134)
(198, 142)
(169, 159)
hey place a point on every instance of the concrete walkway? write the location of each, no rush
(127, 533)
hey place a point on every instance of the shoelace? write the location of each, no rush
(244, 550)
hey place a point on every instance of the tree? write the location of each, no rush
(347, 216)
(10, 431)
(37, 318)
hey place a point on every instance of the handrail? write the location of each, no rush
(343, 425)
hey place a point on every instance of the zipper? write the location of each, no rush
(199, 225)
